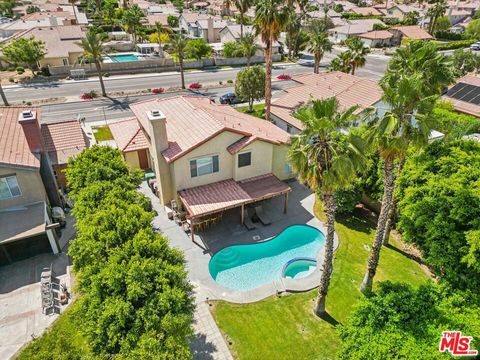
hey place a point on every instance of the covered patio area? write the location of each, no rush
(203, 202)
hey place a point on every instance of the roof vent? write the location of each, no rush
(155, 114)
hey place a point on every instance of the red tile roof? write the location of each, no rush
(349, 90)
(227, 194)
(63, 140)
(129, 136)
(240, 144)
(413, 32)
(379, 34)
(193, 120)
(14, 148)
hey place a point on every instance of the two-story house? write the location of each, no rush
(27, 187)
(210, 157)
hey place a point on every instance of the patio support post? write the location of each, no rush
(242, 214)
(192, 230)
(286, 203)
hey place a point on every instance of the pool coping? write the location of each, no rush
(282, 285)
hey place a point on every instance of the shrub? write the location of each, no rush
(20, 70)
(284, 77)
(448, 35)
(106, 75)
(89, 95)
(158, 90)
(195, 86)
(229, 81)
(455, 44)
(11, 79)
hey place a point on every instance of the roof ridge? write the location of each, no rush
(131, 139)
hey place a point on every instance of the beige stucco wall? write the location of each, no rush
(279, 162)
(262, 156)
(131, 158)
(30, 183)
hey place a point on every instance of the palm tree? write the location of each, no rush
(327, 160)
(248, 47)
(270, 20)
(160, 29)
(178, 44)
(343, 62)
(2, 95)
(242, 7)
(358, 53)
(437, 72)
(293, 28)
(319, 43)
(437, 10)
(227, 4)
(92, 46)
(132, 20)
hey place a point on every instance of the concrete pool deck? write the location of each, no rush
(230, 232)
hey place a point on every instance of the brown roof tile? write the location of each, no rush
(129, 136)
(63, 140)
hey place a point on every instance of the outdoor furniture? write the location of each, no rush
(247, 221)
(264, 218)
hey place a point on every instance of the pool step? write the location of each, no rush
(227, 256)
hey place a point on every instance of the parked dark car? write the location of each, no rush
(229, 98)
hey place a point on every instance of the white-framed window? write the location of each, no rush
(9, 187)
(204, 166)
(245, 159)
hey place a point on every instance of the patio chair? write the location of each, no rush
(247, 221)
(264, 219)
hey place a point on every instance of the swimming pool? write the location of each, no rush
(123, 57)
(246, 267)
(299, 268)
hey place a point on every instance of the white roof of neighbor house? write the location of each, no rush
(356, 26)
(235, 30)
(162, 9)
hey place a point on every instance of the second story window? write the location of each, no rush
(9, 187)
(244, 159)
(204, 166)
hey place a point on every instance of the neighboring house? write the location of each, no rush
(201, 151)
(348, 89)
(457, 16)
(366, 11)
(232, 33)
(465, 95)
(61, 43)
(209, 29)
(413, 32)
(188, 23)
(151, 20)
(351, 29)
(167, 9)
(132, 141)
(27, 187)
(398, 12)
(63, 140)
(375, 39)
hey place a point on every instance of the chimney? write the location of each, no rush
(31, 129)
(158, 124)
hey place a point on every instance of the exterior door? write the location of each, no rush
(143, 159)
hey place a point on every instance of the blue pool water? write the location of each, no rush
(299, 268)
(123, 57)
(246, 267)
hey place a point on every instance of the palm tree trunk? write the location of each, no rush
(248, 60)
(268, 81)
(388, 184)
(353, 69)
(316, 67)
(180, 59)
(393, 209)
(330, 206)
(241, 27)
(4, 98)
(100, 77)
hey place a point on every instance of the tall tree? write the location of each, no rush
(92, 46)
(178, 44)
(160, 29)
(326, 159)
(438, 9)
(358, 52)
(292, 28)
(242, 7)
(23, 51)
(270, 20)
(319, 43)
(248, 47)
(342, 62)
(250, 85)
(132, 20)
(3, 96)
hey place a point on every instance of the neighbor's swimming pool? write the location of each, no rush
(246, 267)
(123, 57)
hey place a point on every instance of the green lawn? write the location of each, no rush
(62, 341)
(285, 327)
(258, 110)
(102, 133)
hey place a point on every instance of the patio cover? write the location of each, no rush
(13, 224)
(223, 195)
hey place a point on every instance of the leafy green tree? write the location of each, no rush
(24, 51)
(231, 49)
(270, 20)
(132, 20)
(443, 23)
(327, 160)
(439, 209)
(198, 49)
(411, 18)
(161, 31)
(248, 47)
(358, 53)
(473, 29)
(6, 7)
(465, 62)
(452, 123)
(172, 21)
(250, 85)
(93, 52)
(319, 43)
(178, 45)
(347, 199)
(292, 28)
(342, 62)
(438, 9)
(242, 7)
(32, 9)
(401, 322)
